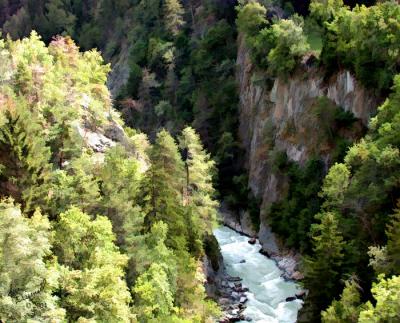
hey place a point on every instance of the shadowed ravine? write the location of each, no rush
(268, 291)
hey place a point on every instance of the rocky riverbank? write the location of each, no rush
(227, 290)
(232, 299)
(288, 261)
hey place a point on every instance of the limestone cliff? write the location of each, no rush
(278, 115)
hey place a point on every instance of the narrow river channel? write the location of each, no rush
(267, 289)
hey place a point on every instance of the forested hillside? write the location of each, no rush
(109, 198)
(94, 229)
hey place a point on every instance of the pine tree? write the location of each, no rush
(173, 12)
(322, 268)
(347, 308)
(24, 156)
(26, 281)
(199, 191)
(59, 18)
(164, 190)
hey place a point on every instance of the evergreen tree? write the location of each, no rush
(75, 185)
(92, 282)
(120, 183)
(322, 269)
(173, 12)
(26, 281)
(59, 18)
(199, 191)
(347, 308)
(164, 190)
(393, 243)
(24, 156)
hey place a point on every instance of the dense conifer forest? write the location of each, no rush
(120, 141)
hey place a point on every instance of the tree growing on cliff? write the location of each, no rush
(251, 19)
(24, 161)
(289, 44)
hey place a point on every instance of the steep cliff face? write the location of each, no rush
(282, 115)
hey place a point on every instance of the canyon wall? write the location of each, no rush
(277, 115)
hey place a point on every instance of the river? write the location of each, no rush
(267, 289)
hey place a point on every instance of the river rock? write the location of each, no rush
(242, 261)
(235, 295)
(234, 279)
(297, 275)
(301, 294)
(243, 299)
(291, 299)
(252, 241)
(231, 285)
(224, 301)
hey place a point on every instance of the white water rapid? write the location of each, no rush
(267, 289)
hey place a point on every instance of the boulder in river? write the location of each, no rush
(252, 241)
(301, 294)
(236, 295)
(297, 275)
(291, 299)
(234, 279)
(243, 300)
(242, 261)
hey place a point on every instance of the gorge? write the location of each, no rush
(198, 161)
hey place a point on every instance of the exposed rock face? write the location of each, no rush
(120, 70)
(277, 114)
(240, 222)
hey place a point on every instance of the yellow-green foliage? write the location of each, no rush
(104, 256)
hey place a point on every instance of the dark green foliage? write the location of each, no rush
(292, 217)
(211, 249)
(324, 265)
(105, 253)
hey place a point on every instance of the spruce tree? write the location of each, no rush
(199, 192)
(164, 190)
(24, 156)
(322, 269)
(173, 12)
